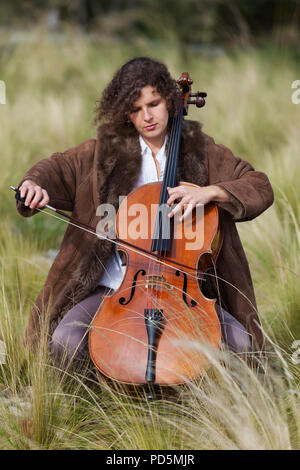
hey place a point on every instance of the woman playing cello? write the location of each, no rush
(130, 150)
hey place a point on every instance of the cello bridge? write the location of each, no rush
(157, 281)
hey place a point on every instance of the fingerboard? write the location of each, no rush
(163, 224)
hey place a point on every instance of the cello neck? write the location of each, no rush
(173, 152)
(161, 238)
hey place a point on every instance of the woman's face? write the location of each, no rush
(150, 115)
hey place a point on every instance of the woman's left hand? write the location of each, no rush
(190, 197)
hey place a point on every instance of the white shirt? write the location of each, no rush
(114, 271)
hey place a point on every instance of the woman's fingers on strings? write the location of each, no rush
(178, 208)
(188, 208)
(183, 210)
(173, 197)
(177, 193)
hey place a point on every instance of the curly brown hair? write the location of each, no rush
(118, 97)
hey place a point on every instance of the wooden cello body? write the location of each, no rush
(157, 326)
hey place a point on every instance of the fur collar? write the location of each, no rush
(120, 155)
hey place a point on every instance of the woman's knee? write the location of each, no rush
(240, 341)
(234, 333)
(67, 345)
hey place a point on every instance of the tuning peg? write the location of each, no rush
(199, 93)
(199, 101)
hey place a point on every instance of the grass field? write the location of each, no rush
(51, 88)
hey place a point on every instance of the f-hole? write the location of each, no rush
(122, 300)
(184, 289)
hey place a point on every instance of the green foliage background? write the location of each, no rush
(52, 82)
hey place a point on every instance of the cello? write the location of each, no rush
(154, 329)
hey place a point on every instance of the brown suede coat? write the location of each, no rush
(100, 170)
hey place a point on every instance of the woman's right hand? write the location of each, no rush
(35, 195)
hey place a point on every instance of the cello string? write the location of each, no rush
(168, 181)
(174, 164)
(152, 265)
(173, 173)
(154, 268)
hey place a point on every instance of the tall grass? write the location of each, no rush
(52, 85)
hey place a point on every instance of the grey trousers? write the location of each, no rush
(69, 342)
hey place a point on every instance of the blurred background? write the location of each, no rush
(191, 22)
